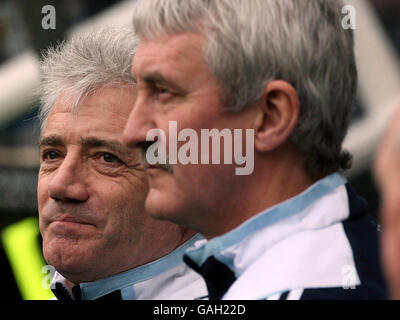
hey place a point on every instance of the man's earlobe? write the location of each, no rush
(278, 114)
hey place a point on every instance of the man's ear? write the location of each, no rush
(277, 115)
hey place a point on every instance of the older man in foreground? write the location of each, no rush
(91, 189)
(276, 80)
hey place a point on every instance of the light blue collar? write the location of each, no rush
(96, 289)
(271, 216)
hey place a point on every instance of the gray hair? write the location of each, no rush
(251, 43)
(86, 62)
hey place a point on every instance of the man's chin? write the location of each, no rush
(162, 206)
(67, 257)
(158, 208)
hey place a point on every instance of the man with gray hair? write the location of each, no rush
(91, 189)
(283, 70)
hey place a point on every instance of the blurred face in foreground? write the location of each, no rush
(387, 173)
(91, 191)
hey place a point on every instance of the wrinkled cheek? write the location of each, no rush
(42, 192)
(52, 249)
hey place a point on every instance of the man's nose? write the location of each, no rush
(139, 123)
(68, 183)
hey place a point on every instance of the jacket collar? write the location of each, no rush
(238, 249)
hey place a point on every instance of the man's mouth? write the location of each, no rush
(70, 219)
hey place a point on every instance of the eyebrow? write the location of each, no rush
(52, 140)
(87, 143)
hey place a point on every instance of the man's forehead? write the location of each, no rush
(111, 105)
(70, 128)
(90, 120)
(180, 48)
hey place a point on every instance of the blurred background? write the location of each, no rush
(22, 38)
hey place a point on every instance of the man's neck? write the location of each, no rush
(186, 235)
(275, 179)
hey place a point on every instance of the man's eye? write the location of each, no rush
(109, 158)
(50, 155)
(161, 90)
